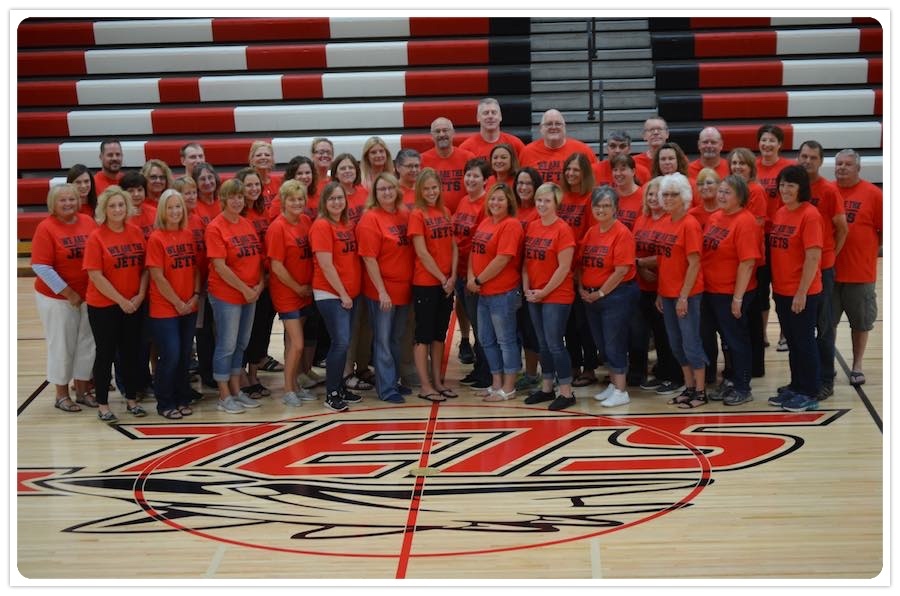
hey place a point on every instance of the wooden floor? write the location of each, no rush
(458, 491)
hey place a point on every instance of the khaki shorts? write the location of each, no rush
(858, 301)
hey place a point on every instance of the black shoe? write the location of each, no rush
(480, 384)
(350, 397)
(825, 392)
(651, 384)
(539, 397)
(211, 383)
(195, 396)
(466, 355)
(668, 388)
(468, 379)
(633, 381)
(334, 402)
(562, 402)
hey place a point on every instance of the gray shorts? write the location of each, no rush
(858, 301)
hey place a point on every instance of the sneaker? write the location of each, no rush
(651, 384)
(315, 377)
(668, 388)
(468, 379)
(606, 393)
(305, 381)
(800, 403)
(526, 382)
(291, 399)
(718, 394)
(195, 396)
(466, 355)
(782, 345)
(782, 397)
(305, 395)
(825, 392)
(733, 397)
(618, 398)
(480, 384)
(230, 405)
(562, 402)
(350, 397)
(403, 389)
(334, 402)
(539, 397)
(245, 400)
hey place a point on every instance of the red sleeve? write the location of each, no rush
(215, 243)
(156, 252)
(275, 246)
(93, 253)
(43, 249)
(416, 225)
(509, 237)
(693, 237)
(320, 237)
(368, 235)
(625, 248)
(811, 236)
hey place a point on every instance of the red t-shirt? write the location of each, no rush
(207, 211)
(728, 240)
(857, 261)
(435, 227)
(120, 257)
(599, 253)
(145, 219)
(260, 223)
(290, 245)
(198, 231)
(549, 162)
(340, 241)
(542, 247)
(702, 215)
(575, 210)
(409, 197)
(793, 232)
(271, 190)
(175, 252)
(767, 177)
(102, 181)
(645, 246)
(61, 246)
(829, 202)
(383, 236)
(603, 173)
(478, 147)
(239, 245)
(526, 215)
(465, 221)
(451, 171)
(630, 207)
(677, 240)
(501, 238)
(757, 203)
(356, 204)
(644, 160)
(723, 169)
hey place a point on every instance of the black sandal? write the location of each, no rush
(171, 414)
(695, 402)
(682, 398)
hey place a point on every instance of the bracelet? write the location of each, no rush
(738, 300)
(682, 298)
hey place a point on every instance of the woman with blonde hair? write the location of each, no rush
(159, 178)
(262, 159)
(376, 158)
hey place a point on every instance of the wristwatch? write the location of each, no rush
(599, 291)
(477, 281)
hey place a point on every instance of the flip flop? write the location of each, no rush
(436, 397)
(67, 405)
(584, 381)
(857, 378)
(448, 393)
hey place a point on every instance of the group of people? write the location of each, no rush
(541, 249)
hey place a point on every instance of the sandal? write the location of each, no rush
(683, 398)
(435, 397)
(367, 376)
(67, 405)
(171, 414)
(271, 365)
(256, 391)
(500, 395)
(583, 380)
(88, 400)
(107, 416)
(137, 411)
(857, 378)
(185, 410)
(694, 402)
(447, 392)
(354, 383)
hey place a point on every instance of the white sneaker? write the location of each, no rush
(245, 400)
(606, 393)
(230, 405)
(306, 381)
(618, 398)
(290, 399)
(306, 395)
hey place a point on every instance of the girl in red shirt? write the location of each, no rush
(83, 179)
(681, 287)
(57, 250)
(631, 198)
(549, 291)
(174, 296)
(387, 255)
(434, 282)
(290, 259)
(495, 276)
(606, 284)
(117, 286)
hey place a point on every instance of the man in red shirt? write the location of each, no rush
(110, 165)
(656, 133)
(191, 154)
(856, 266)
(710, 145)
(489, 135)
(548, 153)
(825, 197)
(408, 163)
(618, 142)
(448, 161)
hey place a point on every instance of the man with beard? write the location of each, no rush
(448, 161)
(710, 145)
(110, 165)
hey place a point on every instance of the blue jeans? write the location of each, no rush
(825, 330)
(609, 319)
(550, 326)
(684, 333)
(470, 305)
(387, 329)
(800, 332)
(735, 333)
(173, 337)
(497, 331)
(337, 322)
(233, 325)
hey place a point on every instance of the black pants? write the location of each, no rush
(115, 331)
(261, 333)
(667, 368)
(206, 343)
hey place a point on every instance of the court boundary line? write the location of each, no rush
(862, 394)
(32, 397)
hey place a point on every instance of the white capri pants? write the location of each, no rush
(70, 343)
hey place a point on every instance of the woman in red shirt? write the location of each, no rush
(495, 276)
(707, 187)
(681, 287)
(83, 179)
(631, 199)
(208, 183)
(387, 255)
(606, 284)
(549, 292)
(235, 283)
(57, 249)
(504, 164)
(730, 253)
(302, 169)
(174, 296)
(336, 285)
(117, 286)
(322, 153)
(796, 246)
(528, 180)
(434, 282)
(669, 159)
(159, 178)
(262, 159)
(376, 158)
(290, 283)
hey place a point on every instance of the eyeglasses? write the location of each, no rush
(324, 152)
(655, 129)
(384, 189)
(603, 206)
(157, 177)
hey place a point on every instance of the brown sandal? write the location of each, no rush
(67, 405)
(88, 400)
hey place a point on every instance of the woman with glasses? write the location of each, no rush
(159, 178)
